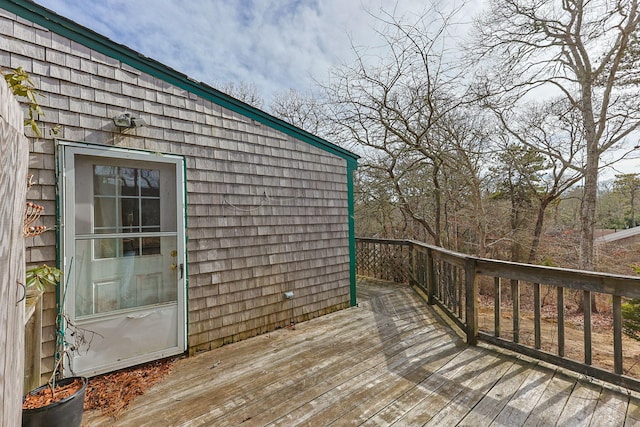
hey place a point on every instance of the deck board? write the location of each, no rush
(389, 361)
(497, 398)
(610, 409)
(519, 407)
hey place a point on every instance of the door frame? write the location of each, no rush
(65, 235)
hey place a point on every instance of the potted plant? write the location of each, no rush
(55, 404)
(60, 401)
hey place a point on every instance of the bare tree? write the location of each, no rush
(402, 106)
(244, 91)
(579, 49)
(302, 110)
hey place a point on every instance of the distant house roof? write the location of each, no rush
(619, 235)
(89, 38)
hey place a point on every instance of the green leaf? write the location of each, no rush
(42, 276)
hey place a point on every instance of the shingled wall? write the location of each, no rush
(267, 213)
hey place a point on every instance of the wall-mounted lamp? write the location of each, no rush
(126, 120)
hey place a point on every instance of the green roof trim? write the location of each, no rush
(91, 39)
(352, 237)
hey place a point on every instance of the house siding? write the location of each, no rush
(267, 212)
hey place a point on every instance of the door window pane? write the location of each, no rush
(105, 180)
(105, 212)
(126, 200)
(130, 215)
(107, 248)
(150, 213)
(129, 181)
(150, 182)
(150, 245)
(116, 274)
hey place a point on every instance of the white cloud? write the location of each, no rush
(275, 44)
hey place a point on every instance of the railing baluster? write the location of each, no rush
(536, 316)
(455, 283)
(454, 288)
(617, 334)
(436, 279)
(448, 287)
(431, 284)
(497, 304)
(444, 271)
(459, 287)
(560, 308)
(587, 326)
(471, 298)
(515, 299)
(440, 282)
(413, 272)
(451, 282)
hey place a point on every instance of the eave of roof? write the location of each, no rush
(91, 39)
(619, 235)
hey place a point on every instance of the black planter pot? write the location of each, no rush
(64, 413)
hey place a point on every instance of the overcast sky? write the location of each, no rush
(274, 44)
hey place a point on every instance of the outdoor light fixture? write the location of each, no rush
(126, 120)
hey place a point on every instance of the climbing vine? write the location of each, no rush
(21, 85)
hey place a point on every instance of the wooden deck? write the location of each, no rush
(389, 361)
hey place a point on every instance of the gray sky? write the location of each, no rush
(274, 44)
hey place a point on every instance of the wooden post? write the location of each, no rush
(413, 272)
(471, 297)
(587, 326)
(515, 299)
(617, 334)
(458, 291)
(431, 283)
(13, 188)
(560, 307)
(537, 316)
(497, 303)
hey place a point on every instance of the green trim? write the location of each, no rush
(89, 38)
(186, 253)
(351, 167)
(63, 283)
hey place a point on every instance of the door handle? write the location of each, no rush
(175, 267)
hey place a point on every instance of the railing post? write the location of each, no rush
(586, 299)
(431, 278)
(515, 299)
(497, 306)
(471, 298)
(617, 334)
(412, 264)
(560, 311)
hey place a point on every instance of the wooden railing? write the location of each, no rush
(523, 307)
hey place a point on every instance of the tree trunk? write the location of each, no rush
(588, 214)
(537, 231)
(589, 196)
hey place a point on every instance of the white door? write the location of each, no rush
(123, 226)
